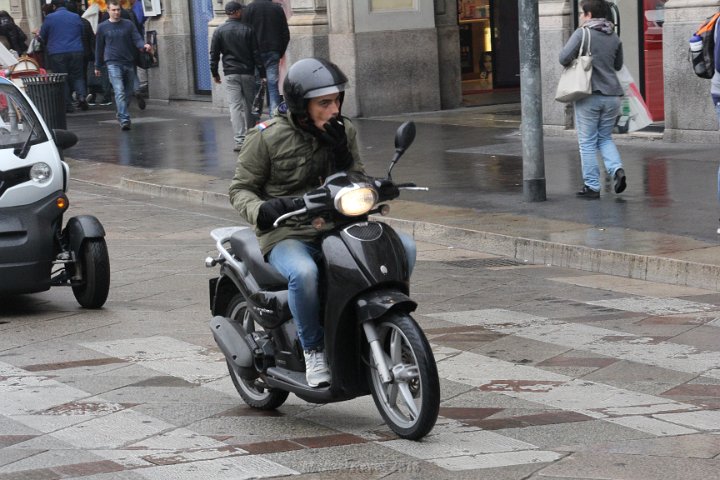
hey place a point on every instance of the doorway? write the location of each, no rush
(640, 25)
(489, 51)
(201, 12)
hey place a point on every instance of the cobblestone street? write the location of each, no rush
(545, 373)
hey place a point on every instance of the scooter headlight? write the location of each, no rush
(356, 200)
(40, 172)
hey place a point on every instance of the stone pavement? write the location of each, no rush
(546, 372)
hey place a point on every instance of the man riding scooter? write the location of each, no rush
(283, 158)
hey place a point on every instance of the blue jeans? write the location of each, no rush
(271, 61)
(297, 261)
(595, 118)
(122, 78)
(72, 64)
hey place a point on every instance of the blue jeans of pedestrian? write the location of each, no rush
(595, 118)
(271, 61)
(298, 262)
(72, 64)
(122, 78)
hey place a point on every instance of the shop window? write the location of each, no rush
(476, 61)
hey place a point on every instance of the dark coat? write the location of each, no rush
(236, 42)
(14, 34)
(270, 25)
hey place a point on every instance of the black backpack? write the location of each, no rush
(703, 59)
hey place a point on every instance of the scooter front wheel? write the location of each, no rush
(253, 391)
(409, 404)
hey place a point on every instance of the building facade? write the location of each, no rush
(423, 55)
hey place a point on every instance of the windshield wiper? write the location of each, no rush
(23, 152)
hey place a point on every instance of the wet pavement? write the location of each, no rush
(662, 227)
(546, 372)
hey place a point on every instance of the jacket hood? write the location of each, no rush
(601, 25)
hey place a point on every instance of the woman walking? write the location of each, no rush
(595, 115)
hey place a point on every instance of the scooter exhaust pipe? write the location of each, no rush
(230, 337)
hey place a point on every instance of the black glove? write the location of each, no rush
(334, 136)
(335, 130)
(386, 189)
(272, 209)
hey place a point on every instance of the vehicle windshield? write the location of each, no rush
(17, 120)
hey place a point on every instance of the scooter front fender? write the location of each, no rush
(81, 227)
(373, 305)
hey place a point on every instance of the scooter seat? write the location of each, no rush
(246, 247)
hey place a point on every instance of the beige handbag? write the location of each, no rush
(575, 81)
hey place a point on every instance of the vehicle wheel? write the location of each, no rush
(94, 264)
(254, 392)
(410, 403)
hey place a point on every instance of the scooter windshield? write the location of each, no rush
(18, 123)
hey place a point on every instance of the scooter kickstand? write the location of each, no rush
(378, 354)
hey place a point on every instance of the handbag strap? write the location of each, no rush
(582, 42)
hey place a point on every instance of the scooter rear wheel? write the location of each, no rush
(253, 391)
(410, 403)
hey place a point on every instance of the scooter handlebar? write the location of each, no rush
(411, 186)
(284, 217)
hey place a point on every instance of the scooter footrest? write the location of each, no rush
(288, 376)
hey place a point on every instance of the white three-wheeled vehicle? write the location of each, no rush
(36, 252)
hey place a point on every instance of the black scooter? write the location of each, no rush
(372, 343)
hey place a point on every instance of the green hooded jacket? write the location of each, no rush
(279, 159)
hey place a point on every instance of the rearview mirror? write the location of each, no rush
(64, 138)
(404, 136)
(403, 139)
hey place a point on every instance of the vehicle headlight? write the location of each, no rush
(40, 172)
(356, 201)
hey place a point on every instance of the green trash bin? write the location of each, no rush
(47, 92)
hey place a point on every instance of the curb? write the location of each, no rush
(539, 252)
(203, 197)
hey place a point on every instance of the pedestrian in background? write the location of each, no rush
(117, 45)
(596, 115)
(137, 16)
(715, 94)
(269, 23)
(62, 33)
(16, 38)
(88, 41)
(235, 42)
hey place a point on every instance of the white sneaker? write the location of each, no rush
(316, 370)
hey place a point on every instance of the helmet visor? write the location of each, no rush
(319, 92)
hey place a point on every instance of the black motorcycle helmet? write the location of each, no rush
(310, 78)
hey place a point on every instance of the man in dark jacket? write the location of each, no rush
(273, 35)
(62, 32)
(117, 45)
(235, 42)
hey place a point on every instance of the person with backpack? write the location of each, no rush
(715, 93)
(705, 60)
